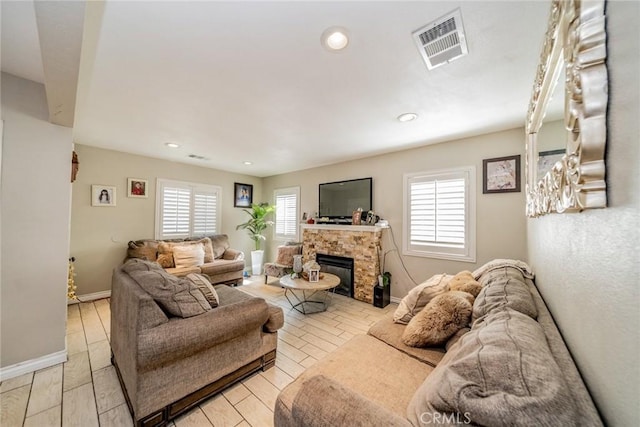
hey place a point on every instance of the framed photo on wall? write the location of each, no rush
(137, 188)
(243, 195)
(501, 175)
(546, 160)
(103, 195)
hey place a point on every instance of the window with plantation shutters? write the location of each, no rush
(286, 214)
(439, 214)
(185, 209)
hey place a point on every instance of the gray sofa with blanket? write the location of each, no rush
(172, 350)
(510, 368)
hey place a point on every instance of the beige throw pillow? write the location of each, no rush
(188, 255)
(418, 297)
(204, 285)
(286, 253)
(445, 315)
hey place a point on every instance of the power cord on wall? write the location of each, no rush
(397, 251)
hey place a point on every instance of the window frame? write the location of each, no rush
(442, 251)
(287, 191)
(194, 188)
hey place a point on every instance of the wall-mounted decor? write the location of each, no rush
(75, 166)
(501, 175)
(243, 195)
(546, 160)
(103, 195)
(573, 56)
(137, 188)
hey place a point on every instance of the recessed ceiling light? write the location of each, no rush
(172, 145)
(248, 163)
(407, 117)
(335, 38)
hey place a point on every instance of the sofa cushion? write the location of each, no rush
(177, 296)
(145, 249)
(501, 373)
(220, 266)
(139, 264)
(445, 315)
(220, 243)
(188, 255)
(182, 271)
(389, 332)
(418, 297)
(504, 288)
(204, 285)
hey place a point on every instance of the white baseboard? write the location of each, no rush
(90, 297)
(33, 365)
(396, 300)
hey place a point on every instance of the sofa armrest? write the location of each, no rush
(180, 338)
(233, 254)
(322, 402)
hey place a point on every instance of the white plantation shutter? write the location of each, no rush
(186, 209)
(440, 214)
(286, 220)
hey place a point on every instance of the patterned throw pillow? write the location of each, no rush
(204, 285)
(419, 297)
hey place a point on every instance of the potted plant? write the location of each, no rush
(255, 226)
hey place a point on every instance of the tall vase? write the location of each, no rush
(256, 262)
(297, 264)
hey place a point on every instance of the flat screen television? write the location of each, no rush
(339, 199)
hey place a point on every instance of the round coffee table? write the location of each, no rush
(302, 294)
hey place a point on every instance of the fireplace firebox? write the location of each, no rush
(341, 267)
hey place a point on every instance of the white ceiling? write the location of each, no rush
(250, 81)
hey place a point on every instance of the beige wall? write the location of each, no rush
(99, 235)
(587, 264)
(500, 217)
(36, 167)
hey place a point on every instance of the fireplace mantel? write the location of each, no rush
(360, 242)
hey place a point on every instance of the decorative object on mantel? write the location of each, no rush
(255, 226)
(137, 188)
(356, 217)
(75, 166)
(103, 195)
(501, 175)
(71, 281)
(575, 43)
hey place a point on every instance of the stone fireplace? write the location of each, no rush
(360, 242)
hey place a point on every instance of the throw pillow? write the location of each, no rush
(445, 315)
(286, 253)
(418, 297)
(501, 373)
(461, 278)
(177, 296)
(145, 249)
(204, 285)
(188, 255)
(471, 287)
(165, 255)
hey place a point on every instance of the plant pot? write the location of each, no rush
(256, 262)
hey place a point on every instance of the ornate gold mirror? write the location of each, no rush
(573, 55)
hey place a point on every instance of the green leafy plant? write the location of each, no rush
(257, 222)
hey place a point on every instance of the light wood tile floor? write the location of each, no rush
(85, 392)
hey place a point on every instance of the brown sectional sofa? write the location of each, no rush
(511, 368)
(168, 364)
(226, 265)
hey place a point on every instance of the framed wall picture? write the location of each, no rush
(501, 175)
(103, 195)
(546, 160)
(137, 188)
(243, 195)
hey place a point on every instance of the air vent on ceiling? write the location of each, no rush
(442, 41)
(197, 157)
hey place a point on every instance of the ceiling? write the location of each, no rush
(250, 81)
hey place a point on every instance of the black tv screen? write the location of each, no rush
(339, 199)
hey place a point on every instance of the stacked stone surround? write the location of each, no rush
(362, 243)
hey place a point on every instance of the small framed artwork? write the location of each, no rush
(501, 175)
(137, 187)
(243, 195)
(546, 160)
(103, 195)
(314, 275)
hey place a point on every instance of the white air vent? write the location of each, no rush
(442, 41)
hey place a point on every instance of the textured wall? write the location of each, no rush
(587, 264)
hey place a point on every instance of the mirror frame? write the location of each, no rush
(575, 43)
